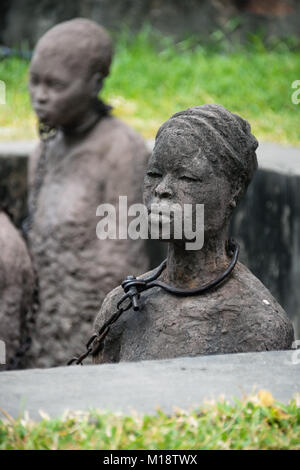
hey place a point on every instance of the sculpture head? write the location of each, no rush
(67, 71)
(203, 155)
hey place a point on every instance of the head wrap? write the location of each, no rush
(223, 137)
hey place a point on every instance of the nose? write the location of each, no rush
(41, 94)
(164, 189)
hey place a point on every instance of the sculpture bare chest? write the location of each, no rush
(221, 321)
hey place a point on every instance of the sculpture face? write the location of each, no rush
(179, 172)
(61, 93)
(67, 70)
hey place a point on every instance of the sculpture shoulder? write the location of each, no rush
(109, 305)
(240, 315)
(258, 307)
(114, 133)
(111, 143)
(33, 161)
(10, 237)
(250, 289)
(111, 350)
(14, 256)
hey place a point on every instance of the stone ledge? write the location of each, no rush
(144, 386)
(279, 158)
(19, 148)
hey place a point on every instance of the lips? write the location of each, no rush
(159, 218)
(167, 210)
(160, 214)
(41, 112)
(161, 211)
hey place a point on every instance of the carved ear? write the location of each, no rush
(235, 196)
(96, 83)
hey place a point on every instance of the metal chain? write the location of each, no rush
(134, 287)
(95, 342)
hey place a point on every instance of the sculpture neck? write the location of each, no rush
(190, 268)
(85, 123)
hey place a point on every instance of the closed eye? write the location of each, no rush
(154, 174)
(189, 178)
(34, 80)
(57, 84)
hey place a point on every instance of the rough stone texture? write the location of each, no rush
(144, 386)
(16, 286)
(177, 17)
(92, 159)
(203, 155)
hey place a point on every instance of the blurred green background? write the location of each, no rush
(171, 54)
(153, 77)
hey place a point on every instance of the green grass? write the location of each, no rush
(257, 422)
(152, 79)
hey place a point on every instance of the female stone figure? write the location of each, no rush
(203, 155)
(88, 158)
(16, 291)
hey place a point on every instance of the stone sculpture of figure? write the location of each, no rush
(91, 158)
(16, 291)
(203, 155)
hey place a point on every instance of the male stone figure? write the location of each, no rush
(91, 158)
(16, 291)
(203, 155)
